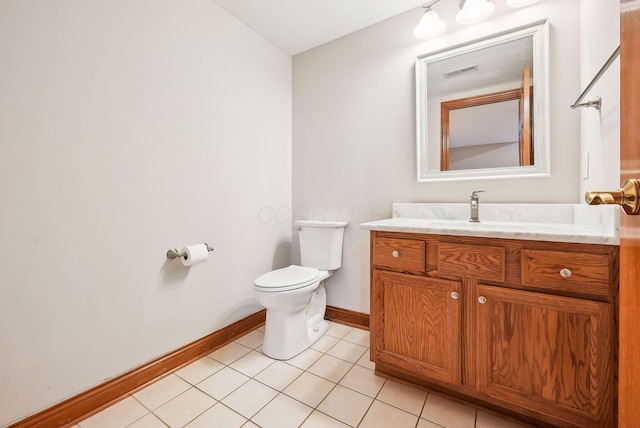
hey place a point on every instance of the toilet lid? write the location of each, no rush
(289, 278)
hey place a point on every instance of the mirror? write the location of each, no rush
(482, 108)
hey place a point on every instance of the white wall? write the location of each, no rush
(354, 131)
(600, 130)
(128, 128)
(496, 155)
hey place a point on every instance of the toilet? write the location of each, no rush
(295, 297)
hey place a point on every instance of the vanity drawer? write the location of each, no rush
(477, 261)
(402, 254)
(577, 272)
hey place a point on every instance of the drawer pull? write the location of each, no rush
(455, 295)
(565, 273)
(395, 253)
(482, 300)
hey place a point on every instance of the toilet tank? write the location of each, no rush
(321, 243)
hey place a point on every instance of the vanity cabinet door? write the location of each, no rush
(548, 354)
(415, 324)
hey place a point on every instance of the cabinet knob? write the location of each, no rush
(395, 253)
(455, 295)
(565, 273)
(482, 300)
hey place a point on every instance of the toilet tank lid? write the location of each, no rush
(292, 275)
(320, 223)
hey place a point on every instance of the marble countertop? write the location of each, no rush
(537, 222)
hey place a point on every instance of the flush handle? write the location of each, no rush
(395, 253)
(627, 197)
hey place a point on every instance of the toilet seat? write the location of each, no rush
(286, 279)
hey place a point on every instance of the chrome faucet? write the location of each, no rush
(475, 206)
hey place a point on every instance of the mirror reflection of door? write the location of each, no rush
(525, 120)
(488, 131)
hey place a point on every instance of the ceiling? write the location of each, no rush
(296, 26)
(299, 25)
(496, 65)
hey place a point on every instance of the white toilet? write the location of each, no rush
(294, 296)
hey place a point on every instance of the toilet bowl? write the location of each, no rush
(295, 296)
(295, 299)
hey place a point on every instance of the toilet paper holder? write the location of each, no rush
(173, 253)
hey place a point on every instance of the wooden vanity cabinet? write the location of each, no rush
(418, 324)
(551, 352)
(523, 327)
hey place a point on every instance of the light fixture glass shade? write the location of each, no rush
(474, 11)
(430, 25)
(520, 3)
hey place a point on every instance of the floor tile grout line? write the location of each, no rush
(333, 417)
(329, 393)
(154, 415)
(374, 400)
(234, 390)
(217, 403)
(320, 411)
(424, 404)
(149, 411)
(365, 413)
(399, 408)
(259, 410)
(296, 378)
(249, 350)
(195, 417)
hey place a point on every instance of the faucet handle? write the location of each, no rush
(474, 194)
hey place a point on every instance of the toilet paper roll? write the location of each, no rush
(194, 254)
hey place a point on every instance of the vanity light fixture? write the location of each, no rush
(430, 24)
(473, 11)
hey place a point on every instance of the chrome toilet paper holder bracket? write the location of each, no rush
(173, 253)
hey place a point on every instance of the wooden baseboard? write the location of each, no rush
(348, 317)
(84, 404)
(89, 402)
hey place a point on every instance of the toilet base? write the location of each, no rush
(289, 330)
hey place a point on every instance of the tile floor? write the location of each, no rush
(332, 384)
